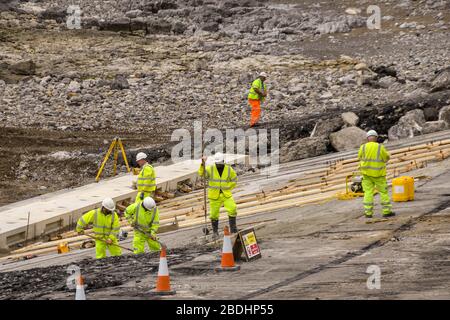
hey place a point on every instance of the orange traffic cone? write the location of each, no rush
(80, 294)
(227, 263)
(163, 282)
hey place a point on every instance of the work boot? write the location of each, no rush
(215, 228)
(232, 221)
(390, 214)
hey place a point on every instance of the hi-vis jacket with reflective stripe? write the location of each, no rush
(105, 226)
(216, 183)
(259, 85)
(146, 180)
(373, 158)
(144, 220)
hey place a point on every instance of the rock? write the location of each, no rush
(397, 132)
(326, 95)
(118, 24)
(58, 14)
(303, 148)
(350, 119)
(133, 13)
(299, 101)
(348, 79)
(431, 113)
(434, 126)
(348, 138)
(343, 24)
(384, 71)
(120, 83)
(414, 116)
(24, 68)
(406, 25)
(386, 82)
(444, 114)
(45, 80)
(159, 27)
(353, 11)
(441, 80)
(416, 94)
(211, 27)
(326, 127)
(74, 87)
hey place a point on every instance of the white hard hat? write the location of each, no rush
(372, 133)
(149, 203)
(141, 156)
(218, 157)
(263, 74)
(109, 204)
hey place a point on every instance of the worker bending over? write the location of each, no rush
(106, 228)
(143, 216)
(256, 96)
(146, 180)
(373, 158)
(222, 179)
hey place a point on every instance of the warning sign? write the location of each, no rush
(248, 244)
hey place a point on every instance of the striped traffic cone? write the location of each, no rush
(80, 294)
(163, 282)
(227, 263)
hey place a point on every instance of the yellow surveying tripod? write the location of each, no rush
(115, 145)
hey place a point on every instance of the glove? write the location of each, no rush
(109, 241)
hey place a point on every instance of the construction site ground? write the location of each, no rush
(310, 252)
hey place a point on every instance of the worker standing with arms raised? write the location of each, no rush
(146, 180)
(106, 228)
(256, 96)
(222, 179)
(144, 218)
(373, 157)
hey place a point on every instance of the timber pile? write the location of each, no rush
(309, 187)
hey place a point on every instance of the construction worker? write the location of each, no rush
(222, 179)
(144, 217)
(146, 180)
(106, 228)
(373, 158)
(256, 96)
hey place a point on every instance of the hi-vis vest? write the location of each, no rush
(146, 181)
(216, 183)
(105, 226)
(373, 158)
(144, 220)
(252, 93)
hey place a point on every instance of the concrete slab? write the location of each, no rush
(55, 211)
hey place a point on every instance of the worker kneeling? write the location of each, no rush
(106, 228)
(144, 217)
(222, 179)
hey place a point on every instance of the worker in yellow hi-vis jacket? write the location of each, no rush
(146, 180)
(106, 227)
(222, 179)
(144, 218)
(373, 157)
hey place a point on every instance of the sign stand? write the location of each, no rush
(246, 243)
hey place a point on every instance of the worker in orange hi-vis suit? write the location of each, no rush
(256, 96)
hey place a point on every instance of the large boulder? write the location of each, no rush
(408, 126)
(325, 127)
(434, 126)
(441, 81)
(348, 138)
(398, 132)
(350, 119)
(303, 148)
(444, 114)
